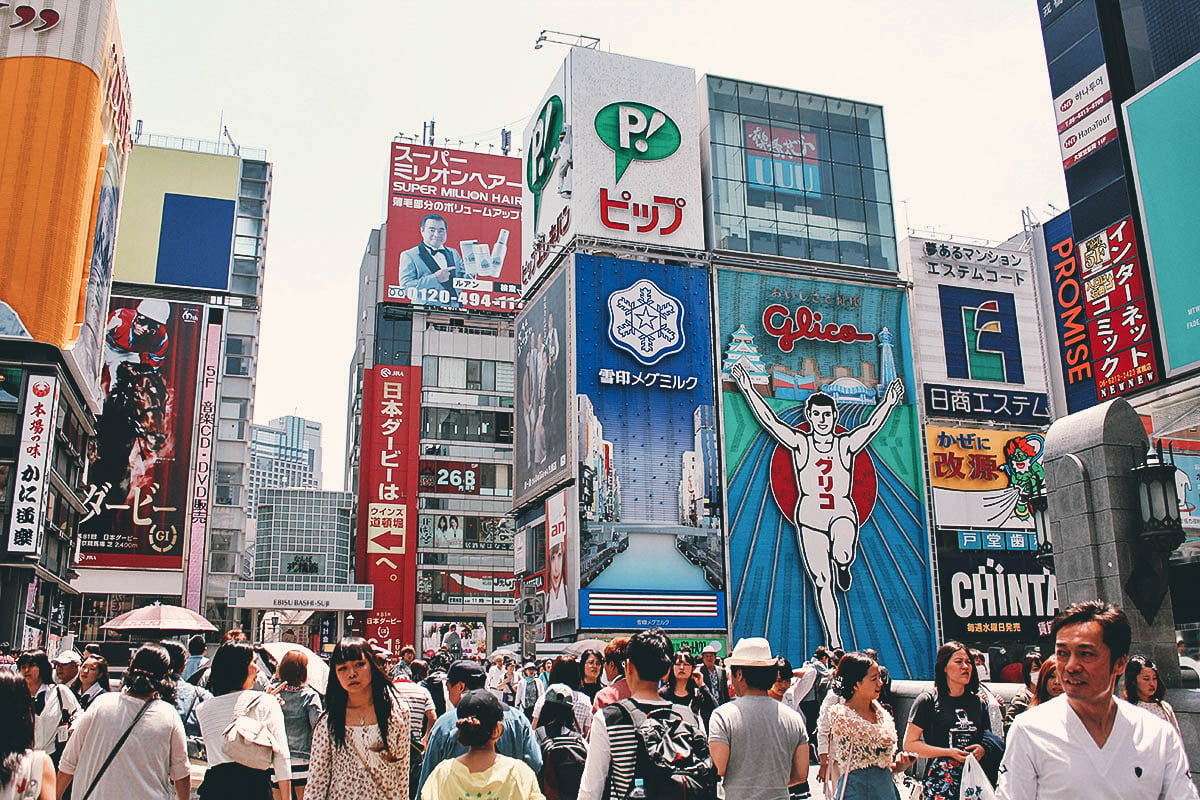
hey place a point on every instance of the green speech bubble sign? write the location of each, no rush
(636, 132)
(543, 150)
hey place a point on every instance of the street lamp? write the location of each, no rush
(1161, 531)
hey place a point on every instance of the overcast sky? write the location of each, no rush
(325, 86)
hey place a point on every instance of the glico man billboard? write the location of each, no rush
(651, 550)
(828, 540)
(612, 151)
(453, 229)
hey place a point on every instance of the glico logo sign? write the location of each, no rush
(543, 151)
(636, 132)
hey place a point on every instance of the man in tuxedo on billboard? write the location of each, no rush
(431, 267)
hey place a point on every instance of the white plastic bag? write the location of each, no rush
(975, 784)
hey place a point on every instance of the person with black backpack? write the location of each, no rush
(564, 750)
(645, 746)
(760, 747)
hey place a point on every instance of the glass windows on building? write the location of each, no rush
(393, 335)
(467, 425)
(799, 175)
(473, 374)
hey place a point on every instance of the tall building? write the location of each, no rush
(430, 428)
(167, 490)
(302, 580)
(284, 453)
(64, 143)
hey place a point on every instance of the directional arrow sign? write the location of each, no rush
(390, 541)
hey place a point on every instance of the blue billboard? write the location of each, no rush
(828, 539)
(651, 547)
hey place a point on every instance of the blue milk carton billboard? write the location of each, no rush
(828, 535)
(651, 545)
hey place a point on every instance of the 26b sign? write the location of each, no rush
(450, 477)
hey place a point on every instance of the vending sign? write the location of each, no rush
(32, 484)
(387, 541)
(453, 229)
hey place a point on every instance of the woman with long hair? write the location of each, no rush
(141, 734)
(862, 735)
(231, 678)
(361, 748)
(481, 771)
(25, 773)
(92, 681)
(948, 722)
(302, 709)
(1048, 686)
(683, 688)
(55, 707)
(591, 667)
(1144, 689)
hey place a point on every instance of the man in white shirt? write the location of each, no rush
(1086, 742)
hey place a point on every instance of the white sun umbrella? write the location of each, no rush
(318, 670)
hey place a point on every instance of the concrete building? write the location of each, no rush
(62, 169)
(430, 421)
(302, 580)
(284, 453)
(169, 519)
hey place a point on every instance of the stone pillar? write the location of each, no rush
(1095, 519)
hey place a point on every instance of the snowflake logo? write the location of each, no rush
(646, 322)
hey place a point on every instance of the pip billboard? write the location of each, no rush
(827, 533)
(387, 498)
(612, 151)
(651, 548)
(984, 478)
(138, 507)
(453, 229)
(542, 444)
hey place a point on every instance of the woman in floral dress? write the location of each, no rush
(360, 749)
(862, 736)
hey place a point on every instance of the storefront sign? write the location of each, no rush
(33, 460)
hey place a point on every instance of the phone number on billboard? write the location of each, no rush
(443, 297)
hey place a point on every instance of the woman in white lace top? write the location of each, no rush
(862, 736)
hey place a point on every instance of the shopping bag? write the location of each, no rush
(975, 784)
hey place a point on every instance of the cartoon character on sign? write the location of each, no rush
(1026, 478)
(832, 480)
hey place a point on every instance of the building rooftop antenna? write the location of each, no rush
(568, 39)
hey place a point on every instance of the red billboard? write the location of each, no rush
(387, 498)
(139, 472)
(453, 229)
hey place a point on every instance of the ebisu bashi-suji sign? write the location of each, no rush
(612, 151)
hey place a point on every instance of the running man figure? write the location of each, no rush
(825, 517)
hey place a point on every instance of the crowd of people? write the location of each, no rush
(636, 720)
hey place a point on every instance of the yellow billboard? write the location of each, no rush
(982, 478)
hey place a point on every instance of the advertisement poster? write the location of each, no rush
(558, 604)
(651, 548)
(139, 472)
(984, 478)
(1187, 486)
(387, 547)
(459, 587)
(541, 447)
(782, 157)
(995, 596)
(38, 427)
(828, 542)
(459, 637)
(453, 229)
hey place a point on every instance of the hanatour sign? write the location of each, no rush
(543, 151)
(636, 132)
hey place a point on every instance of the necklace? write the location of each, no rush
(360, 710)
